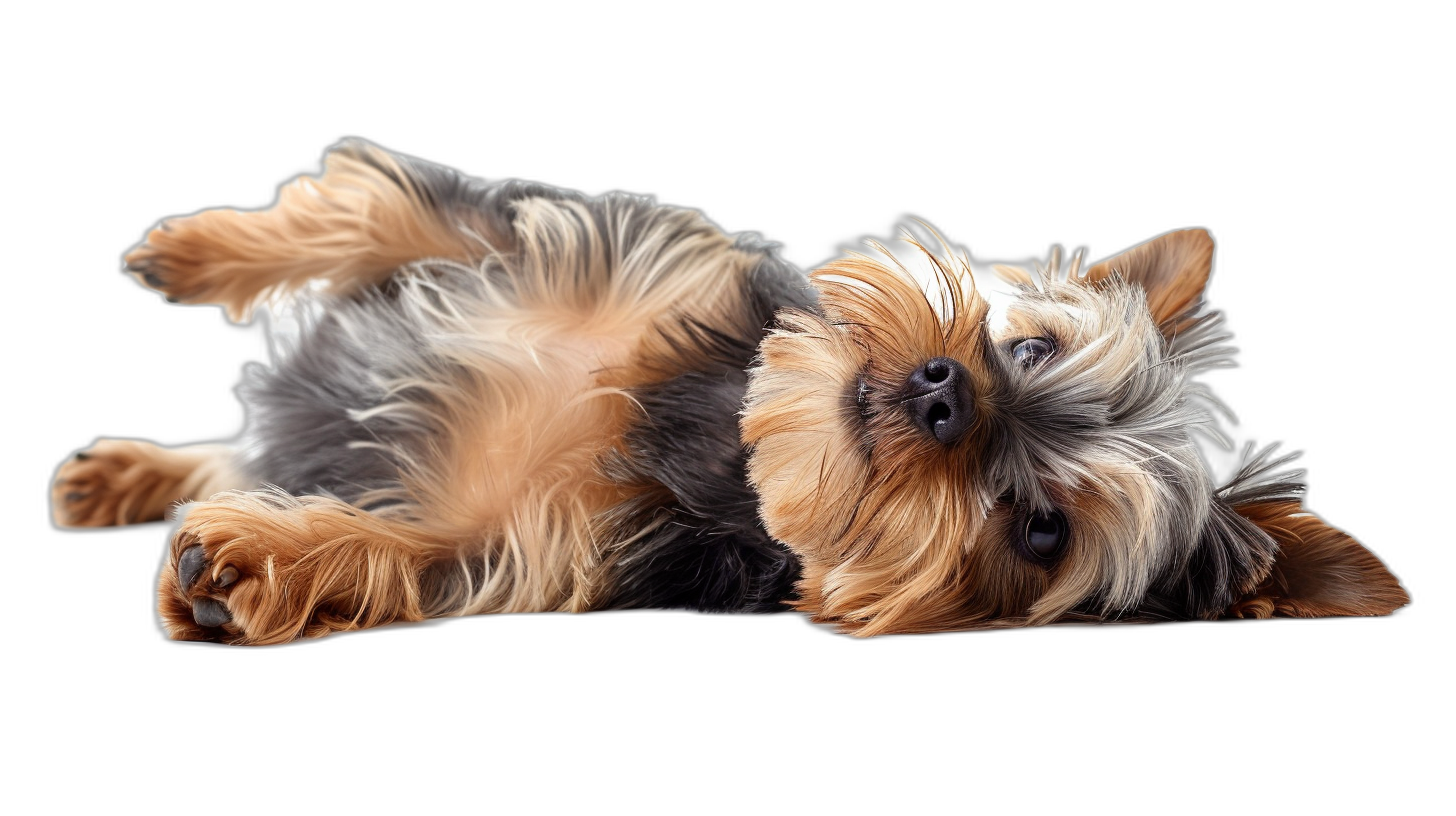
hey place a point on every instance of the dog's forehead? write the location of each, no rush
(1002, 286)
(923, 270)
(999, 300)
(1020, 311)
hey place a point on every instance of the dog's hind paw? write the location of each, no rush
(184, 258)
(194, 591)
(260, 567)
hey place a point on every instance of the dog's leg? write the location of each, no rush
(124, 481)
(263, 567)
(369, 212)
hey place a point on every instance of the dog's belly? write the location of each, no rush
(371, 397)
(570, 429)
(523, 422)
(488, 426)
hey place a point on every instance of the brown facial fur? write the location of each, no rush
(900, 534)
(884, 529)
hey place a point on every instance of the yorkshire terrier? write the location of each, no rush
(507, 397)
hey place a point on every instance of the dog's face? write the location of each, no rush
(935, 470)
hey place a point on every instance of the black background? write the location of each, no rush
(1314, 268)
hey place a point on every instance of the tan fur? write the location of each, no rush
(349, 227)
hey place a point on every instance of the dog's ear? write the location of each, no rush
(1261, 554)
(1173, 269)
(1318, 570)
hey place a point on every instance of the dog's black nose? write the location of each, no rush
(940, 400)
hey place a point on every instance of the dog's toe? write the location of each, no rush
(80, 495)
(114, 482)
(190, 566)
(142, 263)
(210, 612)
(206, 611)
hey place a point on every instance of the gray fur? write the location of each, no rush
(1122, 397)
(303, 431)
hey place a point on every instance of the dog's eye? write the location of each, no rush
(1031, 351)
(1044, 535)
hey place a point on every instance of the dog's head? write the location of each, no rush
(934, 471)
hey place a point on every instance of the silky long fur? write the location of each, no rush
(507, 397)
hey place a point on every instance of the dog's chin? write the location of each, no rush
(804, 428)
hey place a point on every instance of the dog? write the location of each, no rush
(508, 397)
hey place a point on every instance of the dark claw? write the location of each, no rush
(82, 456)
(153, 280)
(190, 566)
(228, 576)
(76, 495)
(210, 612)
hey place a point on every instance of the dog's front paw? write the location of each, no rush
(114, 482)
